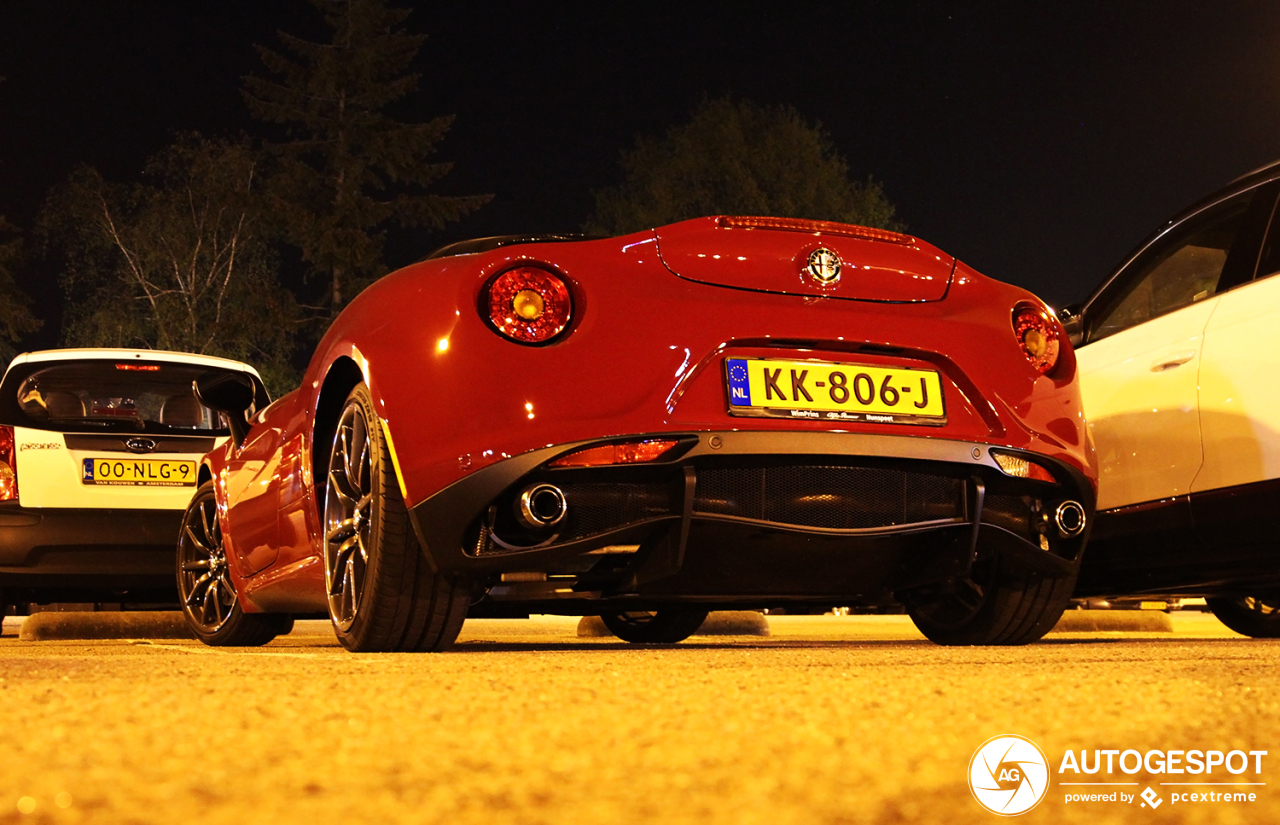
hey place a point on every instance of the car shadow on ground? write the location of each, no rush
(751, 644)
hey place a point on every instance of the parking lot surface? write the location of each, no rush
(827, 720)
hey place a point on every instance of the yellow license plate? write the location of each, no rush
(139, 472)
(834, 392)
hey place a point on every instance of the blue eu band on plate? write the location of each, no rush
(831, 391)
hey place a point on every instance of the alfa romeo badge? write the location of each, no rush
(824, 266)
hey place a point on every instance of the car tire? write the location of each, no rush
(382, 593)
(992, 606)
(1256, 616)
(208, 596)
(666, 626)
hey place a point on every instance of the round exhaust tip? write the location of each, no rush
(541, 506)
(1069, 518)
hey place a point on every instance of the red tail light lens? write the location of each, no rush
(529, 305)
(8, 465)
(633, 452)
(848, 230)
(1038, 335)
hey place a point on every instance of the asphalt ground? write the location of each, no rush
(827, 720)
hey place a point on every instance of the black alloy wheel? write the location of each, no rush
(209, 600)
(382, 593)
(347, 524)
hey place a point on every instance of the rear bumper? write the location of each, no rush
(57, 552)
(760, 518)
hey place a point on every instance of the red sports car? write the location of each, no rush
(728, 412)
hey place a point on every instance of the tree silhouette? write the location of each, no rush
(346, 169)
(178, 262)
(737, 157)
(16, 318)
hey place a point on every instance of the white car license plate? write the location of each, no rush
(139, 472)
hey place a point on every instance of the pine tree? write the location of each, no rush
(347, 170)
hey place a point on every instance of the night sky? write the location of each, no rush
(1038, 141)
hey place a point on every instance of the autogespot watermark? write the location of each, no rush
(1009, 775)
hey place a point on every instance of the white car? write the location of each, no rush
(99, 456)
(1179, 354)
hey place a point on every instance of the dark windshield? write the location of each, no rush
(117, 396)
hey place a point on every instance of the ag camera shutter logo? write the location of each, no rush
(1008, 774)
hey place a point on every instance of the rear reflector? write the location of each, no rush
(632, 452)
(1019, 467)
(8, 466)
(847, 230)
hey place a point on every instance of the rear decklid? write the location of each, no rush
(104, 429)
(802, 257)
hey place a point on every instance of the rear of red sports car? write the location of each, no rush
(724, 412)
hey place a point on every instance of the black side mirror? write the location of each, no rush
(1072, 319)
(229, 393)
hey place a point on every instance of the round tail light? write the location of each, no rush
(1038, 336)
(529, 305)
